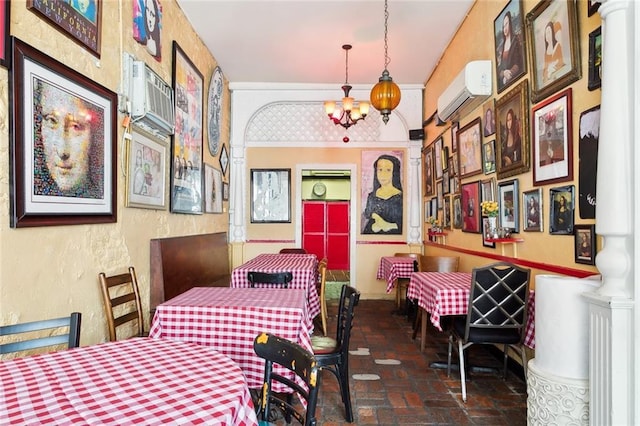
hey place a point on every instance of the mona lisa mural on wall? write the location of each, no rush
(381, 192)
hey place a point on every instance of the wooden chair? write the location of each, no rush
(322, 281)
(122, 304)
(496, 314)
(70, 338)
(277, 350)
(434, 264)
(273, 278)
(293, 250)
(402, 284)
(333, 353)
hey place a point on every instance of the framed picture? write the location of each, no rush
(80, 20)
(446, 188)
(427, 211)
(457, 211)
(585, 244)
(561, 208)
(488, 190)
(437, 157)
(588, 161)
(446, 213)
(429, 188)
(487, 235)
(5, 40)
(61, 174)
(454, 136)
(440, 193)
(469, 152)
(595, 59)
(212, 189)
(532, 210)
(489, 120)
(381, 194)
(552, 140)
(225, 191)
(508, 31)
(508, 198)
(224, 160)
(270, 195)
(554, 47)
(214, 110)
(592, 7)
(512, 145)
(434, 207)
(146, 171)
(489, 157)
(186, 180)
(471, 207)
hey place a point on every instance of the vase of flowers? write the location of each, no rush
(490, 209)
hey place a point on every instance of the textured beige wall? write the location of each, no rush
(474, 40)
(51, 271)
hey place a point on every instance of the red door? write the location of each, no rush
(325, 231)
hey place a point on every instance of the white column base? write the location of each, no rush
(556, 400)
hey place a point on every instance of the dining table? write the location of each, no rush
(303, 267)
(447, 293)
(228, 320)
(393, 267)
(134, 381)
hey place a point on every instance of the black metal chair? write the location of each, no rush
(70, 338)
(293, 251)
(333, 354)
(272, 278)
(497, 314)
(294, 357)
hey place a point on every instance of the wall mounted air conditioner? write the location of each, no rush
(151, 99)
(467, 91)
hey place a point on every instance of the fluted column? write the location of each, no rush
(414, 234)
(237, 231)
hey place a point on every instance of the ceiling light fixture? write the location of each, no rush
(350, 113)
(385, 95)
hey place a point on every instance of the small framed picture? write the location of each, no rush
(429, 185)
(146, 171)
(585, 244)
(488, 189)
(532, 210)
(270, 195)
(512, 136)
(508, 31)
(488, 224)
(561, 210)
(434, 207)
(446, 213)
(469, 155)
(454, 136)
(471, 207)
(446, 189)
(437, 157)
(552, 140)
(489, 120)
(212, 189)
(508, 198)
(457, 211)
(554, 47)
(595, 59)
(5, 40)
(225, 191)
(489, 157)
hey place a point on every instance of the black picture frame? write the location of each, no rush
(270, 195)
(224, 160)
(509, 201)
(585, 244)
(40, 196)
(508, 73)
(532, 208)
(561, 210)
(592, 7)
(595, 59)
(5, 38)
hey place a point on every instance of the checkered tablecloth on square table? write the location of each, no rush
(393, 267)
(228, 320)
(133, 381)
(447, 293)
(303, 267)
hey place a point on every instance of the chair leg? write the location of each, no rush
(343, 380)
(323, 316)
(523, 354)
(462, 371)
(416, 323)
(506, 359)
(449, 355)
(397, 295)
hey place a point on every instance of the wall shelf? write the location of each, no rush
(438, 237)
(513, 242)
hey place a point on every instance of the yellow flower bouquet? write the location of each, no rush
(489, 208)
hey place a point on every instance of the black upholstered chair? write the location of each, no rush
(333, 354)
(276, 350)
(496, 315)
(70, 335)
(271, 278)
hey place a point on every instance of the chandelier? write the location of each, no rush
(385, 95)
(350, 113)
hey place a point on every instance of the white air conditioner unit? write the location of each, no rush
(467, 91)
(151, 100)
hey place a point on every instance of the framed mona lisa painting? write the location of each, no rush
(381, 192)
(511, 59)
(512, 133)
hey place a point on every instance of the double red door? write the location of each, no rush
(325, 231)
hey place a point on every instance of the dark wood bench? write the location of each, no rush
(180, 263)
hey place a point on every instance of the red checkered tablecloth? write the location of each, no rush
(447, 293)
(228, 320)
(134, 381)
(303, 267)
(393, 267)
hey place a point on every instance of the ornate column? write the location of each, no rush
(414, 234)
(611, 350)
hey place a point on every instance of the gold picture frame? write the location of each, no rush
(512, 134)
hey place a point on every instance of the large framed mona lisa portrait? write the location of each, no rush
(63, 151)
(381, 192)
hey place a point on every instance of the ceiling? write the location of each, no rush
(300, 41)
